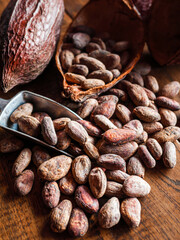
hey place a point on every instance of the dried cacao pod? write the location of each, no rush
(29, 31)
(116, 14)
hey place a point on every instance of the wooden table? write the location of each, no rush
(27, 217)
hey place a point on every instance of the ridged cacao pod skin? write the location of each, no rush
(29, 30)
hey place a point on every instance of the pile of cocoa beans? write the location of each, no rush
(122, 133)
(92, 60)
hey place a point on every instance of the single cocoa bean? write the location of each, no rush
(143, 68)
(119, 93)
(168, 103)
(135, 186)
(51, 194)
(168, 134)
(92, 63)
(91, 150)
(92, 47)
(146, 114)
(39, 155)
(97, 182)
(80, 40)
(55, 168)
(60, 123)
(103, 122)
(152, 127)
(116, 73)
(40, 116)
(131, 211)
(79, 69)
(109, 215)
(87, 107)
(75, 150)
(104, 75)
(48, 131)
(116, 122)
(170, 90)
(77, 132)
(22, 161)
(67, 184)
(114, 189)
(78, 223)
(24, 109)
(86, 200)
(99, 41)
(74, 78)
(63, 140)
(142, 138)
(112, 162)
(135, 167)
(135, 77)
(146, 157)
(116, 175)
(155, 148)
(168, 117)
(169, 155)
(66, 59)
(29, 125)
(151, 83)
(91, 129)
(123, 113)
(77, 58)
(91, 83)
(150, 94)
(134, 125)
(10, 144)
(24, 182)
(60, 215)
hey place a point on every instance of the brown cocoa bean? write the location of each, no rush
(134, 125)
(80, 40)
(51, 194)
(104, 75)
(105, 98)
(55, 168)
(67, 184)
(39, 155)
(168, 134)
(123, 113)
(146, 114)
(48, 131)
(97, 182)
(121, 46)
(114, 189)
(60, 123)
(99, 41)
(24, 109)
(63, 140)
(103, 122)
(78, 223)
(22, 161)
(112, 162)
(24, 182)
(135, 77)
(131, 211)
(60, 215)
(77, 58)
(92, 63)
(87, 107)
(116, 73)
(92, 47)
(79, 69)
(74, 78)
(81, 167)
(155, 148)
(91, 83)
(135, 186)
(86, 200)
(142, 68)
(75, 150)
(168, 103)
(29, 125)
(146, 157)
(168, 117)
(125, 150)
(169, 155)
(10, 144)
(135, 167)
(116, 175)
(116, 122)
(91, 129)
(151, 83)
(142, 138)
(77, 132)
(150, 94)
(119, 136)
(66, 59)
(91, 150)
(119, 93)
(40, 116)
(170, 90)
(109, 215)
(152, 127)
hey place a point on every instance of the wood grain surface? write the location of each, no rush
(26, 218)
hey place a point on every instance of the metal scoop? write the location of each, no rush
(41, 104)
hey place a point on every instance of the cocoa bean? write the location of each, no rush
(155, 148)
(169, 155)
(151, 83)
(134, 125)
(105, 98)
(146, 114)
(80, 40)
(92, 47)
(67, 184)
(75, 150)
(109, 215)
(119, 93)
(87, 107)
(81, 167)
(97, 182)
(152, 127)
(74, 78)
(112, 162)
(168, 103)
(39, 155)
(60, 215)
(92, 63)
(76, 131)
(135, 167)
(24, 182)
(150, 94)
(91, 129)
(55, 168)
(116, 122)
(51, 194)
(91, 83)
(142, 68)
(91, 150)
(99, 41)
(48, 131)
(78, 223)
(85, 200)
(63, 140)
(168, 134)
(142, 138)
(29, 125)
(60, 123)
(66, 59)
(170, 90)
(22, 161)
(40, 116)
(123, 113)
(114, 189)
(10, 144)
(116, 73)
(79, 69)
(116, 175)
(135, 186)
(168, 117)
(103, 122)
(104, 75)
(24, 109)
(146, 157)
(131, 211)
(77, 58)
(135, 77)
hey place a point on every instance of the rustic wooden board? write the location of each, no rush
(27, 217)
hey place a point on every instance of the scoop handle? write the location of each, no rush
(3, 103)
